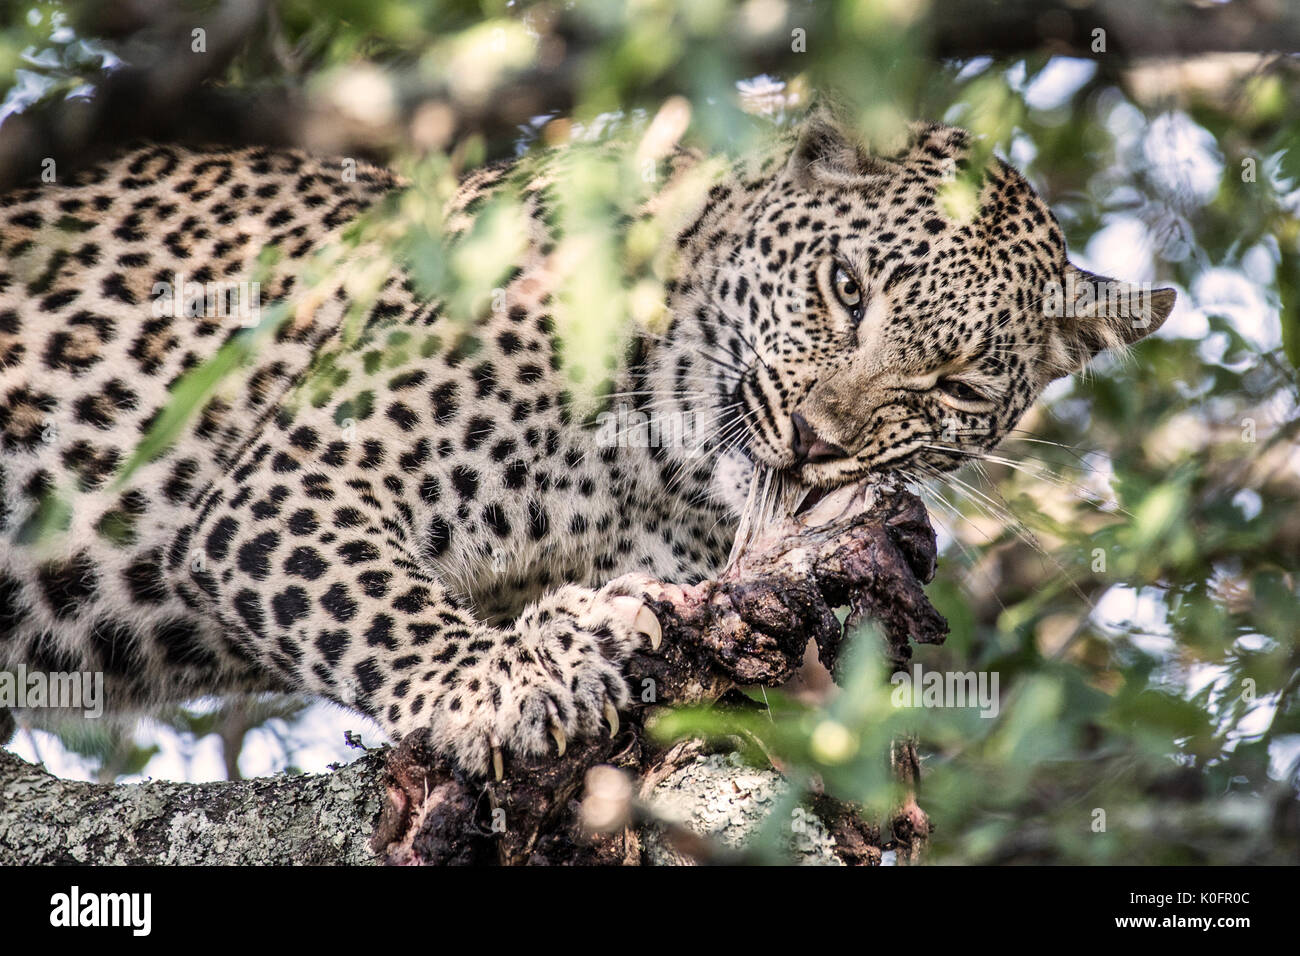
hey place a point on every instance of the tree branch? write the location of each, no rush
(1156, 28)
(319, 819)
(169, 95)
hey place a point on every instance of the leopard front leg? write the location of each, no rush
(331, 598)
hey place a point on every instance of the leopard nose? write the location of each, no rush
(809, 447)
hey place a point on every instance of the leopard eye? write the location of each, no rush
(847, 291)
(961, 391)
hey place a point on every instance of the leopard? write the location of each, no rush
(471, 560)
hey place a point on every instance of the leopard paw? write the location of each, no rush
(556, 674)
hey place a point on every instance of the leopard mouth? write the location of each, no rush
(814, 495)
(819, 484)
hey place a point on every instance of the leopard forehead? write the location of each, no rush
(939, 256)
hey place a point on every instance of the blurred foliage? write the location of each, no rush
(112, 747)
(1128, 568)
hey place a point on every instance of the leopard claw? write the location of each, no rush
(648, 624)
(561, 741)
(611, 718)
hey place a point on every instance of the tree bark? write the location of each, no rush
(309, 819)
(863, 547)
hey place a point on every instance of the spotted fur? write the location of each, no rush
(456, 563)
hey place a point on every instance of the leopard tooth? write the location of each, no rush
(498, 765)
(561, 741)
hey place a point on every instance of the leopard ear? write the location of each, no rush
(928, 142)
(1089, 313)
(826, 155)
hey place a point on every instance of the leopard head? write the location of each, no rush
(855, 320)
